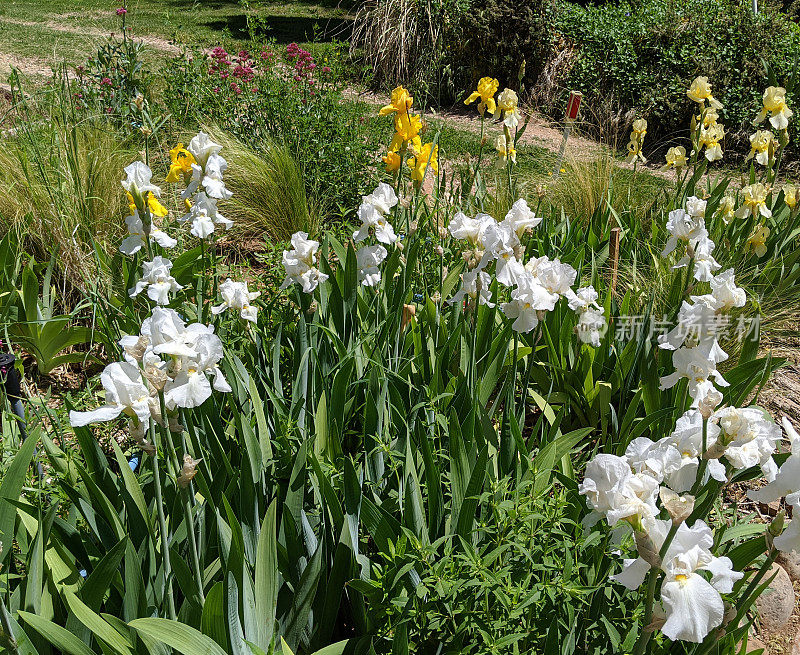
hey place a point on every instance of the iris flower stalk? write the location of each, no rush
(162, 524)
(185, 503)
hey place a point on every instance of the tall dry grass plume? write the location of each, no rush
(396, 39)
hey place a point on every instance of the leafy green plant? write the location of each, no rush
(644, 54)
(279, 95)
(115, 83)
(40, 330)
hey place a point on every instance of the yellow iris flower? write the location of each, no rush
(639, 129)
(709, 139)
(400, 103)
(676, 158)
(775, 105)
(726, 209)
(421, 159)
(709, 117)
(758, 240)
(181, 165)
(487, 87)
(507, 105)
(505, 148)
(392, 161)
(762, 146)
(700, 92)
(790, 195)
(155, 207)
(407, 128)
(755, 201)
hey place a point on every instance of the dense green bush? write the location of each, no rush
(506, 592)
(279, 94)
(645, 53)
(501, 38)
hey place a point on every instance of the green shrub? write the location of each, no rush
(111, 80)
(282, 96)
(645, 54)
(501, 38)
(507, 592)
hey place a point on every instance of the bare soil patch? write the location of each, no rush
(55, 25)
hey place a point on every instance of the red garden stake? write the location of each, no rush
(573, 106)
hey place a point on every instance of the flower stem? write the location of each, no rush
(162, 524)
(701, 467)
(200, 282)
(644, 637)
(188, 516)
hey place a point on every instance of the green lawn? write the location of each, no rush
(72, 27)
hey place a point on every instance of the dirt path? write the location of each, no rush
(55, 25)
(27, 66)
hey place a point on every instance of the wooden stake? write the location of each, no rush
(562, 151)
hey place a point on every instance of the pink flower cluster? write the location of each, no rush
(239, 72)
(303, 62)
(242, 68)
(220, 62)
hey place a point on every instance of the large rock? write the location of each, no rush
(790, 562)
(775, 606)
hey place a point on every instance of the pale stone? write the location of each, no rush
(775, 606)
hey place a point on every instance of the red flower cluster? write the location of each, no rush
(241, 67)
(303, 63)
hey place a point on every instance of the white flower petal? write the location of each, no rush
(693, 608)
(633, 573)
(99, 415)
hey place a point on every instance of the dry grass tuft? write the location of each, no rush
(60, 191)
(396, 39)
(269, 197)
